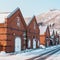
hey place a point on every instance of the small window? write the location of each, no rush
(18, 21)
(24, 38)
(24, 34)
(34, 25)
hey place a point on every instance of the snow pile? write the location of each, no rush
(36, 52)
(29, 54)
(3, 53)
(42, 46)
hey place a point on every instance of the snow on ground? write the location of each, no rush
(2, 53)
(55, 56)
(28, 54)
(42, 46)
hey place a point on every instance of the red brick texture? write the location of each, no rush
(10, 30)
(33, 33)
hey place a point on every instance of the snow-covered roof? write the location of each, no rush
(13, 12)
(3, 15)
(42, 29)
(28, 20)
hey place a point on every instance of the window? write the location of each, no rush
(24, 35)
(34, 25)
(18, 21)
(24, 38)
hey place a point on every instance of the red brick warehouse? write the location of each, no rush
(14, 32)
(32, 33)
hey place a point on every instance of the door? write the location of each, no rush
(29, 43)
(51, 42)
(17, 44)
(34, 43)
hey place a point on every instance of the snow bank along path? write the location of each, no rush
(45, 55)
(55, 56)
(27, 55)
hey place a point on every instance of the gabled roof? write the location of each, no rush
(42, 29)
(13, 12)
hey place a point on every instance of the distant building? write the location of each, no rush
(44, 35)
(54, 37)
(57, 38)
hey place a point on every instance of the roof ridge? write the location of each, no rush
(13, 12)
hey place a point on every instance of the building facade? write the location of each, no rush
(32, 33)
(13, 32)
(44, 35)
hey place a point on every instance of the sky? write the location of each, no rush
(29, 7)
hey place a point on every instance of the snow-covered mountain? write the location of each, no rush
(51, 17)
(48, 16)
